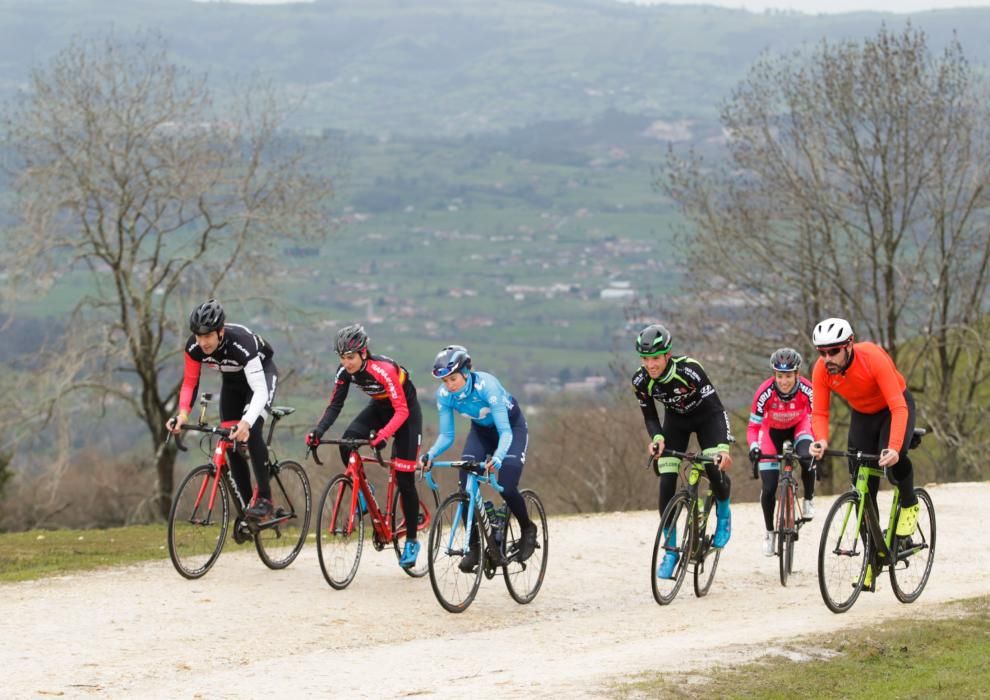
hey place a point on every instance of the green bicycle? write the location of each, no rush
(854, 547)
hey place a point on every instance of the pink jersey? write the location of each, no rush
(769, 411)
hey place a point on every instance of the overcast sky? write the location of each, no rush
(809, 6)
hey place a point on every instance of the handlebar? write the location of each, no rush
(857, 455)
(222, 433)
(353, 444)
(470, 466)
(688, 456)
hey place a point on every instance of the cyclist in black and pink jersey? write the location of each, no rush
(781, 411)
(393, 412)
(247, 388)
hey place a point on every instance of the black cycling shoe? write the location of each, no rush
(469, 561)
(527, 543)
(262, 509)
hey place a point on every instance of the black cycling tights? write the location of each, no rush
(721, 485)
(406, 482)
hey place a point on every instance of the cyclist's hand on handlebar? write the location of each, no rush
(378, 443)
(656, 447)
(755, 454)
(425, 462)
(313, 438)
(241, 432)
(888, 457)
(817, 449)
(175, 423)
(492, 466)
(723, 460)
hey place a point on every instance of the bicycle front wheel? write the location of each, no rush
(673, 543)
(449, 543)
(913, 556)
(340, 533)
(281, 538)
(706, 556)
(785, 531)
(843, 554)
(196, 528)
(524, 578)
(428, 504)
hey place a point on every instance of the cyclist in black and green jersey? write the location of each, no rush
(691, 405)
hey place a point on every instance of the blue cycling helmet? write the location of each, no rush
(785, 360)
(453, 358)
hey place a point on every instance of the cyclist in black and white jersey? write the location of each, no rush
(248, 380)
(691, 405)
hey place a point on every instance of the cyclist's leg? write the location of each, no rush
(512, 467)
(769, 475)
(677, 433)
(405, 448)
(256, 440)
(714, 436)
(903, 471)
(803, 438)
(361, 427)
(233, 399)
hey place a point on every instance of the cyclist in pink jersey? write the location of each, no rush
(781, 411)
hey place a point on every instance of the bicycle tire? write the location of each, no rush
(706, 556)
(397, 524)
(909, 552)
(676, 521)
(785, 531)
(843, 554)
(196, 532)
(338, 544)
(279, 544)
(449, 542)
(522, 579)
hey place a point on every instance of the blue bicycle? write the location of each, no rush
(463, 521)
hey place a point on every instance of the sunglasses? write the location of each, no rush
(441, 372)
(830, 352)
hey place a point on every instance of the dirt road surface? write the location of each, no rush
(245, 631)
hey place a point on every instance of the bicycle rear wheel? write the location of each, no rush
(524, 578)
(339, 534)
(705, 555)
(674, 538)
(785, 531)
(281, 538)
(196, 532)
(397, 523)
(449, 543)
(843, 554)
(913, 556)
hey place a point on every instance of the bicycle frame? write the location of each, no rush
(476, 475)
(790, 484)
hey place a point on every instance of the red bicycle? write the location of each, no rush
(341, 523)
(200, 515)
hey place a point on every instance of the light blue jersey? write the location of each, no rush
(484, 401)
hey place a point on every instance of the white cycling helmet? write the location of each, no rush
(831, 331)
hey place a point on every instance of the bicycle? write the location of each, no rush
(688, 514)
(200, 514)
(854, 543)
(790, 517)
(345, 501)
(461, 514)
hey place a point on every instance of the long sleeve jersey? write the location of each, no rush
(482, 399)
(381, 378)
(683, 388)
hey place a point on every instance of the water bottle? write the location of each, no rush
(498, 524)
(490, 511)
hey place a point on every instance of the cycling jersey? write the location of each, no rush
(381, 378)
(486, 402)
(870, 384)
(683, 388)
(241, 357)
(771, 412)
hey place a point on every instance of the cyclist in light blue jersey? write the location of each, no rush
(498, 428)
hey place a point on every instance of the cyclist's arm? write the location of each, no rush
(889, 381)
(190, 385)
(255, 375)
(340, 386)
(649, 409)
(756, 415)
(445, 430)
(500, 414)
(819, 405)
(386, 373)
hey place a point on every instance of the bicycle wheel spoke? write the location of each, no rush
(429, 501)
(842, 555)
(673, 541)
(914, 555)
(281, 538)
(340, 533)
(449, 542)
(197, 528)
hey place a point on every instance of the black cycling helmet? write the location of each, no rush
(453, 358)
(785, 360)
(351, 339)
(206, 318)
(652, 341)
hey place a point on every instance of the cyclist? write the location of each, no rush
(247, 388)
(498, 428)
(691, 405)
(393, 412)
(882, 410)
(781, 411)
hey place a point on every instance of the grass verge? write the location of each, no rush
(921, 658)
(40, 553)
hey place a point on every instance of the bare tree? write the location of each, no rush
(855, 185)
(133, 186)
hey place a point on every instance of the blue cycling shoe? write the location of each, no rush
(723, 530)
(409, 554)
(667, 566)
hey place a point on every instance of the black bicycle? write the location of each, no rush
(200, 515)
(790, 518)
(683, 532)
